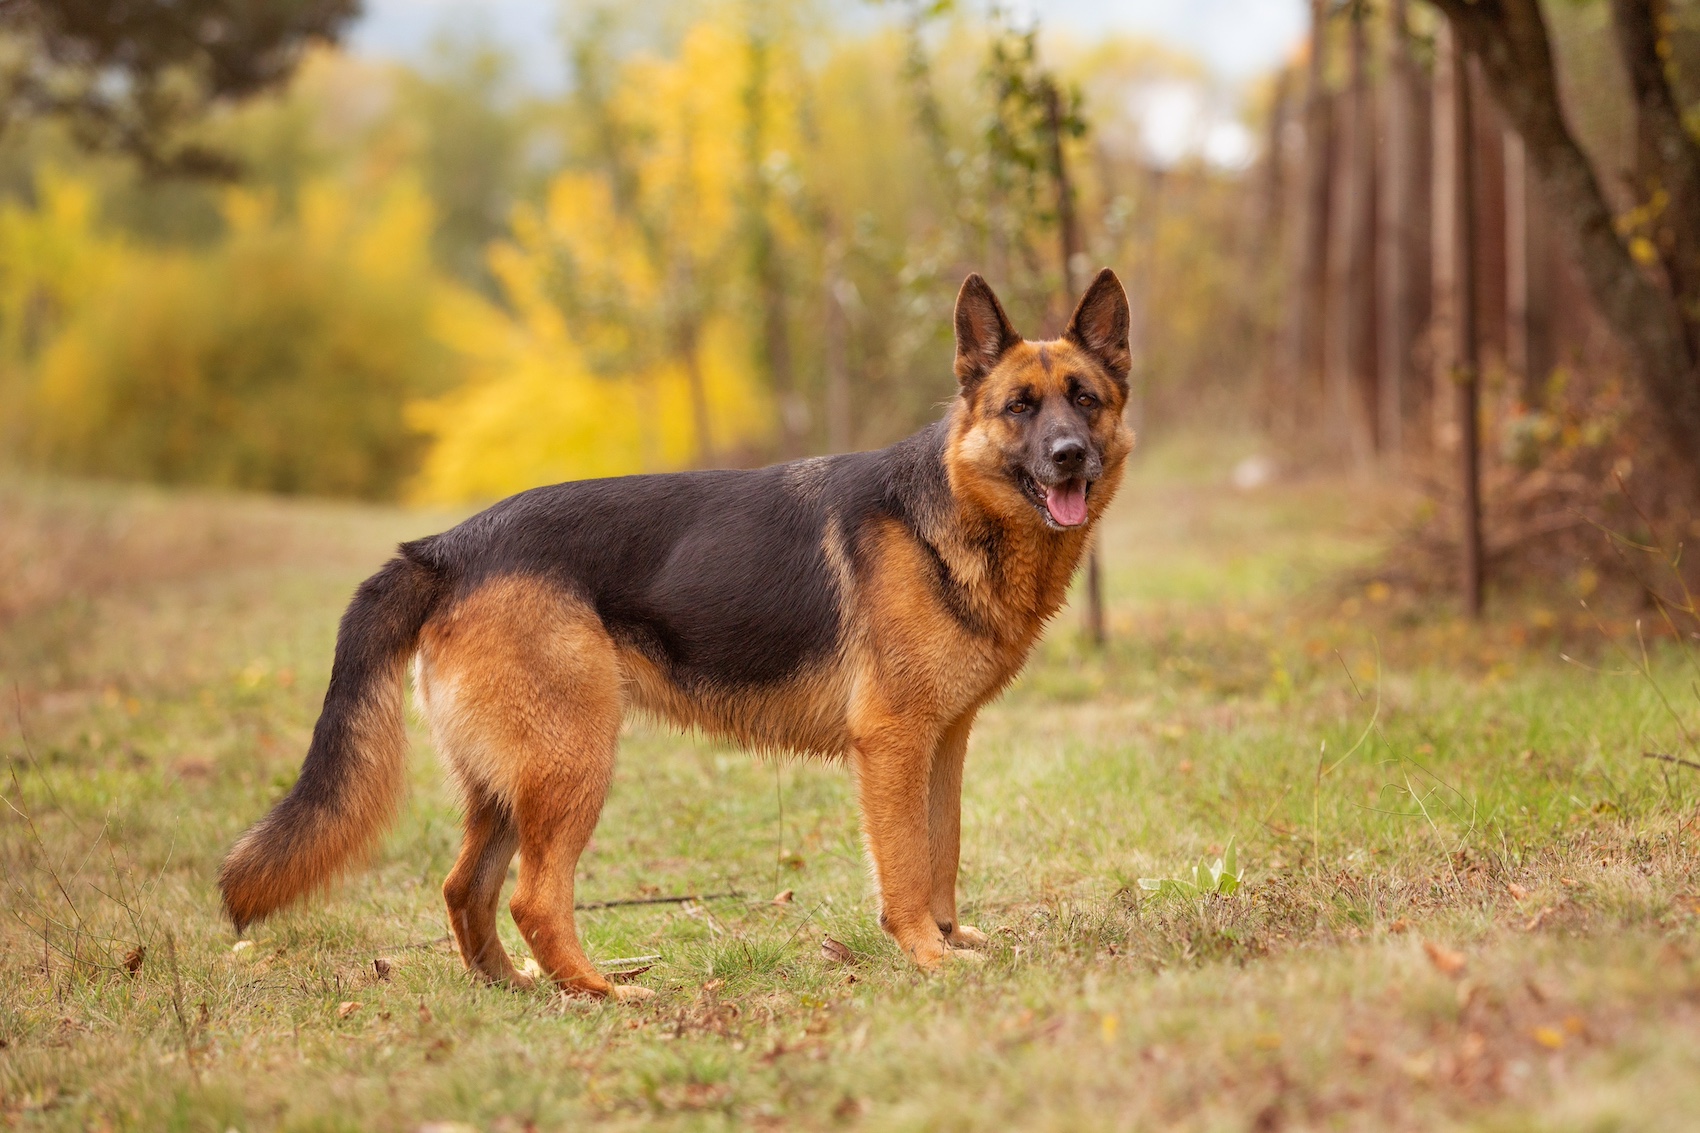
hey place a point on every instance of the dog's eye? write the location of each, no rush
(1016, 406)
(1086, 401)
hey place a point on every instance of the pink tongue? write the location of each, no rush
(1067, 503)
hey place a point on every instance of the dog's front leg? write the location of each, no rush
(893, 768)
(944, 829)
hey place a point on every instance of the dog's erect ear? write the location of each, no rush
(983, 332)
(1100, 325)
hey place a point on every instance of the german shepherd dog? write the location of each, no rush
(859, 607)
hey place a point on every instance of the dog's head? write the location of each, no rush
(1039, 433)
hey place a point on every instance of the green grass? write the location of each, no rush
(162, 668)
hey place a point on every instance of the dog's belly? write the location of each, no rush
(805, 713)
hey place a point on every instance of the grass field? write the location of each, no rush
(1467, 901)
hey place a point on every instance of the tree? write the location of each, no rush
(1310, 248)
(1350, 364)
(1643, 271)
(131, 75)
(1398, 219)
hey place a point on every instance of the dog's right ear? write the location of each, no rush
(983, 332)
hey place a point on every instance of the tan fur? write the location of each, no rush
(525, 691)
(256, 879)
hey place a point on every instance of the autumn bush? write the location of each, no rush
(280, 359)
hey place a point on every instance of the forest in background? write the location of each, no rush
(737, 235)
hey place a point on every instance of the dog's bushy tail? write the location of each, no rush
(352, 779)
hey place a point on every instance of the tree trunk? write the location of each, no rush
(1395, 220)
(1467, 344)
(835, 339)
(1351, 310)
(1310, 274)
(1271, 230)
(1444, 267)
(1068, 234)
(1510, 39)
(1528, 282)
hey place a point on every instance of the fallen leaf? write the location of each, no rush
(1550, 1037)
(1518, 893)
(346, 1008)
(836, 951)
(1449, 962)
(1400, 925)
(383, 966)
(133, 959)
(713, 986)
(784, 897)
(1570, 883)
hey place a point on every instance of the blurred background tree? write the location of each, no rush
(135, 76)
(735, 234)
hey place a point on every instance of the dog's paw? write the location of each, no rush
(929, 954)
(967, 936)
(630, 993)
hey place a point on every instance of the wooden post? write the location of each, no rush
(1068, 233)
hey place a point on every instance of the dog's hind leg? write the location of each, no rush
(944, 832)
(525, 693)
(474, 887)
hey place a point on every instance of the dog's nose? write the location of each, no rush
(1069, 456)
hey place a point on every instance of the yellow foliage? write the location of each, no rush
(532, 412)
(280, 359)
(599, 384)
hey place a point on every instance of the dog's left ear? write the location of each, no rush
(1100, 325)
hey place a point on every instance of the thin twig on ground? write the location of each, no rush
(1676, 759)
(680, 899)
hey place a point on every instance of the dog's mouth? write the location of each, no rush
(1063, 504)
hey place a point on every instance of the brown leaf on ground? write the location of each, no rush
(1445, 959)
(133, 959)
(784, 897)
(1518, 893)
(836, 952)
(1400, 925)
(347, 1008)
(384, 967)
